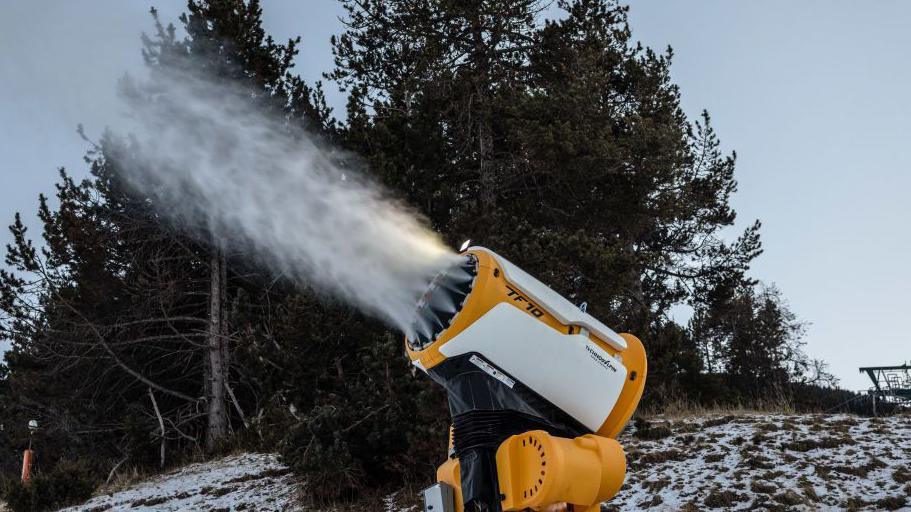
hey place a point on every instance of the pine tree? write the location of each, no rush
(593, 178)
(100, 320)
(754, 340)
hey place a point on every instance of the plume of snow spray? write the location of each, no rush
(213, 158)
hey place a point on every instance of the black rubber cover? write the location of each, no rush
(442, 300)
(485, 412)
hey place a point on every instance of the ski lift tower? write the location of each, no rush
(891, 384)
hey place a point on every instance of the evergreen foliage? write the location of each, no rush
(560, 144)
(67, 483)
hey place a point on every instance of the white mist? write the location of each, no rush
(214, 162)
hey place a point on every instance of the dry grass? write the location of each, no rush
(657, 485)
(761, 487)
(645, 430)
(714, 457)
(805, 445)
(789, 498)
(123, 479)
(888, 503)
(679, 409)
(723, 498)
(658, 457)
(902, 475)
(128, 476)
(807, 488)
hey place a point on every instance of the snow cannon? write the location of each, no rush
(538, 390)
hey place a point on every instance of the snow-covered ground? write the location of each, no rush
(769, 462)
(252, 481)
(742, 462)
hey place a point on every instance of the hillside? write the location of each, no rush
(737, 462)
(770, 462)
(252, 481)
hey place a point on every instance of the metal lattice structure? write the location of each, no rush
(891, 384)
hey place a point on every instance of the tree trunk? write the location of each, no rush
(481, 112)
(160, 426)
(217, 354)
(485, 145)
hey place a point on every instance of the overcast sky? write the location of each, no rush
(813, 96)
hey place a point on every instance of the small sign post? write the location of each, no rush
(28, 456)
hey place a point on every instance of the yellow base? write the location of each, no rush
(541, 472)
(537, 470)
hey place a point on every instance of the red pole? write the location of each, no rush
(27, 457)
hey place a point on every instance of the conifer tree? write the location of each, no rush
(592, 175)
(753, 339)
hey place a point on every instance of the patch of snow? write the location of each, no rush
(252, 481)
(768, 462)
(390, 504)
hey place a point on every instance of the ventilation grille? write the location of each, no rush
(535, 481)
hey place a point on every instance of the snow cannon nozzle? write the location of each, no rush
(442, 300)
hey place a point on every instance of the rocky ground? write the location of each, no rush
(735, 462)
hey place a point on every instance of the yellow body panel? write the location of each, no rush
(636, 369)
(450, 473)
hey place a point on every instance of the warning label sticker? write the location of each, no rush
(490, 370)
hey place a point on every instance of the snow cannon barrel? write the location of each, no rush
(516, 356)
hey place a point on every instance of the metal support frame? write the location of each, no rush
(891, 384)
